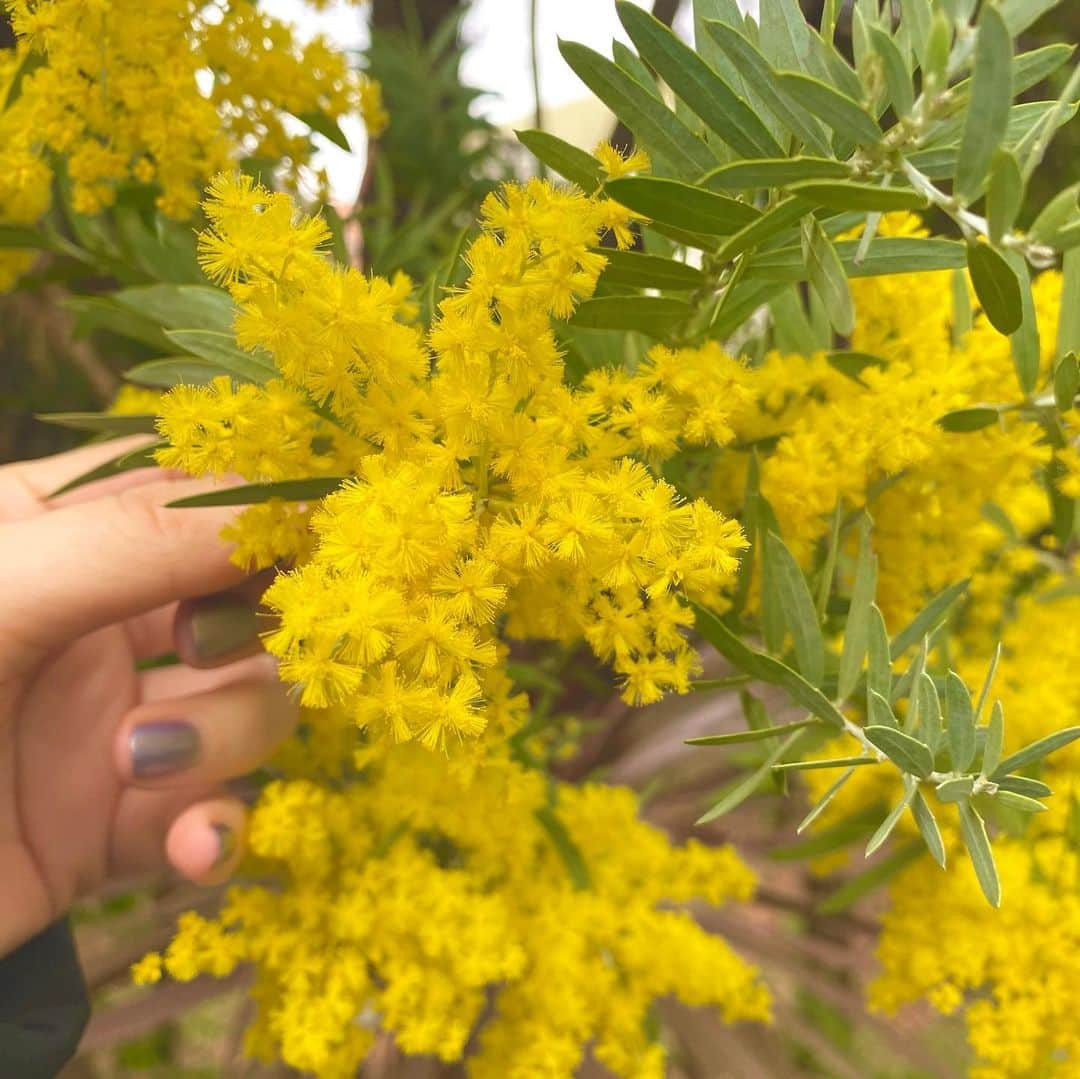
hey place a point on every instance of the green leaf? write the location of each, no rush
(746, 786)
(926, 622)
(915, 18)
(682, 205)
(898, 85)
(997, 287)
(857, 631)
(697, 85)
(826, 274)
(220, 349)
(835, 837)
(853, 364)
(764, 667)
(991, 89)
(902, 749)
(637, 270)
(955, 790)
(798, 608)
(1055, 215)
(1020, 802)
(127, 461)
(1068, 339)
(1028, 70)
(988, 681)
(783, 215)
(1004, 194)
(929, 711)
(982, 858)
(31, 60)
(818, 765)
(760, 735)
(959, 722)
(656, 316)
(181, 307)
(846, 117)
(879, 711)
(1066, 381)
(773, 172)
(17, 236)
(568, 161)
(308, 490)
(893, 819)
(928, 828)
(886, 255)
(102, 422)
(849, 195)
(760, 79)
(879, 666)
(94, 313)
(1032, 788)
(1020, 14)
(995, 738)
(874, 877)
(170, 371)
(1025, 344)
(326, 126)
(1034, 752)
(823, 802)
(654, 124)
(567, 849)
(969, 419)
(635, 67)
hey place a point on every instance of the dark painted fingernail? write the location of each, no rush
(226, 843)
(159, 749)
(222, 624)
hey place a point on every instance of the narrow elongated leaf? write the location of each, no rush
(564, 844)
(308, 490)
(94, 313)
(988, 681)
(781, 217)
(915, 18)
(991, 88)
(930, 729)
(1062, 209)
(955, 790)
(1032, 788)
(17, 236)
(857, 630)
(886, 255)
(1025, 345)
(902, 749)
(928, 828)
(742, 790)
(220, 349)
(765, 667)
(326, 126)
(829, 762)
(879, 711)
(846, 117)
(997, 288)
(636, 68)
(181, 307)
(853, 364)
(1004, 194)
(973, 831)
(879, 661)
(697, 85)
(1018, 15)
(1020, 802)
(102, 422)
(1028, 70)
(31, 60)
(849, 195)
(1066, 382)
(783, 36)
(926, 622)
(656, 316)
(898, 85)
(969, 419)
(128, 461)
(774, 172)
(798, 609)
(872, 878)
(823, 802)
(893, 819)
(171, 371)
(760, 78)
(959, 722)
(654, 124)
(1034, 752)
(760, 735)
(1068, 338)
(826, 274)
(835, 837)
(682, 205)
(568, 161)
(650, 271)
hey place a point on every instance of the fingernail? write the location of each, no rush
(226, 843)
(222, 624)
(159, 749)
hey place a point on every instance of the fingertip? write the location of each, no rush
(205, 842)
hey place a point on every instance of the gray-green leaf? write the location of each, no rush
(904, 750)
(973, 831)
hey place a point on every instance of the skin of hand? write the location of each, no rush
(110, 769)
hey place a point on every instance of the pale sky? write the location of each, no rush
(497, 58)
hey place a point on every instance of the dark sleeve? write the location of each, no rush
(43, 1005)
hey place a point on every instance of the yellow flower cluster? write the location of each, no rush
(117, 88)
(422, 915)
(483, 486)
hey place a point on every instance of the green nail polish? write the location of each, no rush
(221, 625)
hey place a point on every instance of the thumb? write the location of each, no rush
(95, 563)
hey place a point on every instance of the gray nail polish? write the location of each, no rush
(226, 843)
(161, 748)
(222, 624)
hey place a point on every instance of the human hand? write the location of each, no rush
(107, 770)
